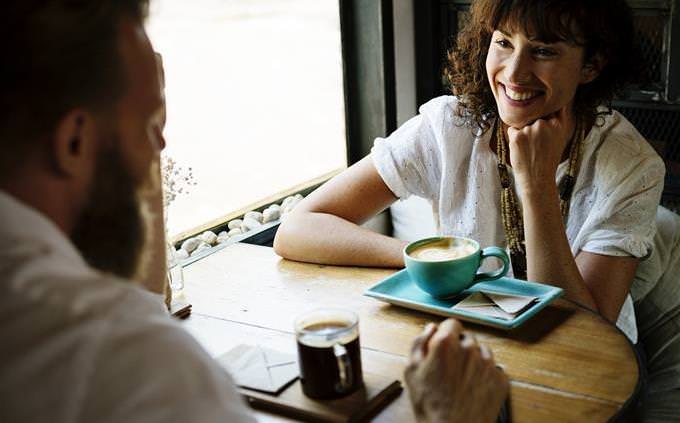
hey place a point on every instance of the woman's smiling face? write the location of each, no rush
(531, 79)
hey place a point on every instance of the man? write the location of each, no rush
(80, 205)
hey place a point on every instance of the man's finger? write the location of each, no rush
(452, 326)
(419, 347)
(446, 338)
(486, 352)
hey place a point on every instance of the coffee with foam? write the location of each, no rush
(444, 266)
(442, 250)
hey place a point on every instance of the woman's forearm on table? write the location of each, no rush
(327, 239)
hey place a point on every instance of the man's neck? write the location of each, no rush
(47, 196)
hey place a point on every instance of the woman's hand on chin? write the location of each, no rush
(537, 149)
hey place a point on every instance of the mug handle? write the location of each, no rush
(344, 368)
(498, 273)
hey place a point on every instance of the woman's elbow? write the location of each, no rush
(285, 238)
(280, 242)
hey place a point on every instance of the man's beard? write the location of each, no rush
(111, 230)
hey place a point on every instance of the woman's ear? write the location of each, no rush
(592, 68)
(73, 143)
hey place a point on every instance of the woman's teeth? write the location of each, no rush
(520, 96)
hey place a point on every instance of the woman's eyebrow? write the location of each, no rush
(530, 38)
(554, 44)
(533, 39)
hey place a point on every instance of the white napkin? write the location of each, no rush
(260, 368)
(493, 304)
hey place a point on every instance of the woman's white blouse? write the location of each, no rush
(436, 156)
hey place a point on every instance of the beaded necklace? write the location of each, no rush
(513, 224)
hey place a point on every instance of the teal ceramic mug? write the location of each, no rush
(444, 266)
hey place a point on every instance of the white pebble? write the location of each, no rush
(223, 233)
(250, 224)
(222, 238)
(236, 223)
(202, 247)
(287, 201)
(271, 215)
(181, 254)
(235, 231)
(209, 237)
(274, 207)
(256, 215)
(298, 196)
(191, 244)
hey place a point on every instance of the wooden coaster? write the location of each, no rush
(378, 391)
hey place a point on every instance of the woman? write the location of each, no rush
(527, 153)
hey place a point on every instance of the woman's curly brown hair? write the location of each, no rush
(603, 27)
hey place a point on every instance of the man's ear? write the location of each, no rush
(73, 144)
(592, 68)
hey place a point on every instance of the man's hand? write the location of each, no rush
(451, 378)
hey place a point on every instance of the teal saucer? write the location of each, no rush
(399, 289)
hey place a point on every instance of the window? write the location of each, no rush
(255, 100)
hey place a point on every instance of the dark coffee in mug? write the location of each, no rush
(329, 356)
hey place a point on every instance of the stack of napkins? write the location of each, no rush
(493, 304)
(260, 368)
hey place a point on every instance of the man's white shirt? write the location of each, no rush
(80, 345)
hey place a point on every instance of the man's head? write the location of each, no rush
(80, 103)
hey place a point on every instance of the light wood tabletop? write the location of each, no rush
(566, 364)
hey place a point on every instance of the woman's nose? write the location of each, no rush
(518, 69)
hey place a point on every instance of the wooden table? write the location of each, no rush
(566, 364)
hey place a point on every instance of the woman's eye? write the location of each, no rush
(544, 52)
(503, 43)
